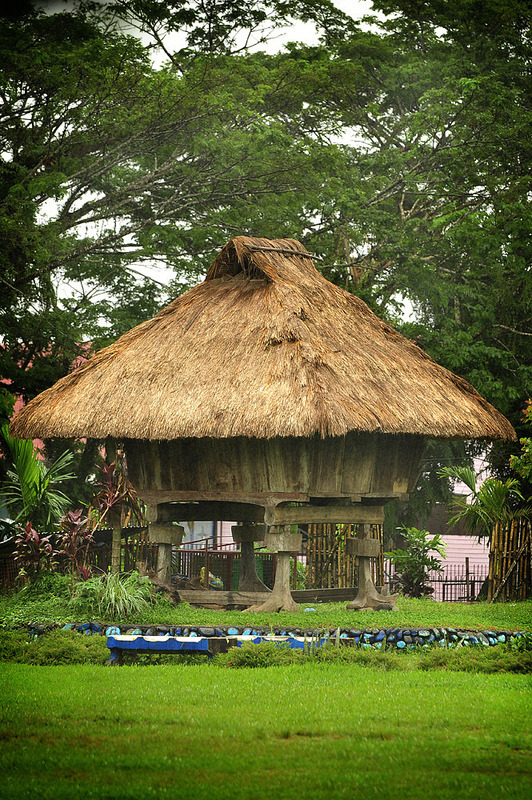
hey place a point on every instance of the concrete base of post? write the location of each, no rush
(165, 537)
(367, 595)
(246, 536)
(281, 539)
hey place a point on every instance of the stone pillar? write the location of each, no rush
(246, 536)
(280, 538)
(165, 537)
(367, 596)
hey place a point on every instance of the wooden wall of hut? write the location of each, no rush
(329, 565)
(510, 565)
(358, 464)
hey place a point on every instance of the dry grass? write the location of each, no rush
(264, 347)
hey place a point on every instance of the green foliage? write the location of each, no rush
(522, 464)
(265, 654)
(34, 554)
(69, 647)
(414, 562)
(46, 585)
(268, 654)
(112, 597)
(20, 609)
(522, 643)
(488, 660)
(31, 490)
(495, 501)
(52, 648)
(112, 164)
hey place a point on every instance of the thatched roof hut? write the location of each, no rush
(265, 347)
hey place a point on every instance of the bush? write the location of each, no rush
(112, 596)
(265, 654)
(502, 658)
(522, 643)
(414, 563)
(269, 654)
(46, 585)
(52, 648)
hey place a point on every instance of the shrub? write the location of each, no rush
(269, 654)
(414, 563)
(265, 654)
(112, 596)
(75, 539)
(501, 658)
(46, 585)
(522, 643)
(52, 648)
(33, 554)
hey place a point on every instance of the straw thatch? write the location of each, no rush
(264, 347)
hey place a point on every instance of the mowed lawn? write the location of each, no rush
(304, 731)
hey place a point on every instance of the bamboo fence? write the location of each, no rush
(510, 564)
(328, 564)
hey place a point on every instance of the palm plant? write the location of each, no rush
(494, 501)
(31, 487)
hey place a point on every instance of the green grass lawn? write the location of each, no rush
(311, 731)
(17, 610)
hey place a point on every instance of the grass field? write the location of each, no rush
(314, 730)
(311, 731)
(20, 609)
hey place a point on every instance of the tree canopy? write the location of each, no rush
(397, 149)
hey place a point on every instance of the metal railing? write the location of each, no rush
(456, 583)
(224, 563)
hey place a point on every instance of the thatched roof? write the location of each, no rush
(264, 347)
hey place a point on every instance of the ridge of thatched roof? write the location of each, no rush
(264, 347)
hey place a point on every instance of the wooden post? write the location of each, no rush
(281, 539)
(116, 544)
(165, 537)
(367, 549)
(206, 564)
(246, 536)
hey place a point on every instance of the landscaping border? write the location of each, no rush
(375, 638)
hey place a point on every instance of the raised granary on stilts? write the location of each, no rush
(265, 394)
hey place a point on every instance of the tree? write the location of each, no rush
(399, 154)
(434, 208)
(110, 163)
(522, 464)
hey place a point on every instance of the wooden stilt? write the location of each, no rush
(246, 536)
(116, 542)
(281, 539)
(367, 549)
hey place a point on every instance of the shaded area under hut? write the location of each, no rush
(270, 397)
